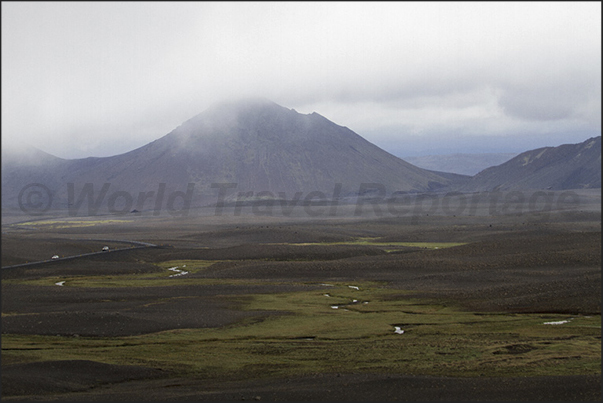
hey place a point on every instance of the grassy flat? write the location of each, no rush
(371, 241)
(358, 335)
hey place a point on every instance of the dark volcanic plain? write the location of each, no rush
(65, 342)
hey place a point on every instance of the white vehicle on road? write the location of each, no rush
(105, 248)
(55, 257)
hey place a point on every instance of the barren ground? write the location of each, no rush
(519, 267)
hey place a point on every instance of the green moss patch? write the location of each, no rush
(438, 339)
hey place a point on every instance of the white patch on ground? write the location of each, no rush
(398, 330)
(334, 307)
(327, 285)
(60, 283)
(354, 287)
(327, 295)
(560, 322)
(177, 271)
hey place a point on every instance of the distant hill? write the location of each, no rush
(254, 143)
(569, 166)
(27, 165)
(464, 164)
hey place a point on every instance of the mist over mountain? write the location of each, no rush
(253, 145)
(569, 166)
(257, 148)
(263, 146)
(24, 165)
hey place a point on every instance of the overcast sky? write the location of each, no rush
(102, 78)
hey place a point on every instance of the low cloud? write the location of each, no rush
(102, 78)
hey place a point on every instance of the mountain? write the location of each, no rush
(568, 166)
(254, 145)
(27, 165)
(463, 164)
(27, 156)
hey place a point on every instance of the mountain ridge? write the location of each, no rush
(568, 166)
(256, 144)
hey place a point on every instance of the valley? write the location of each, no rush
(354, 306)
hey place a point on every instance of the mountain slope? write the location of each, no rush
(569, 166)
(28, 165)
(257, 145)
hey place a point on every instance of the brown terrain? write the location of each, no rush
(546, 263)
